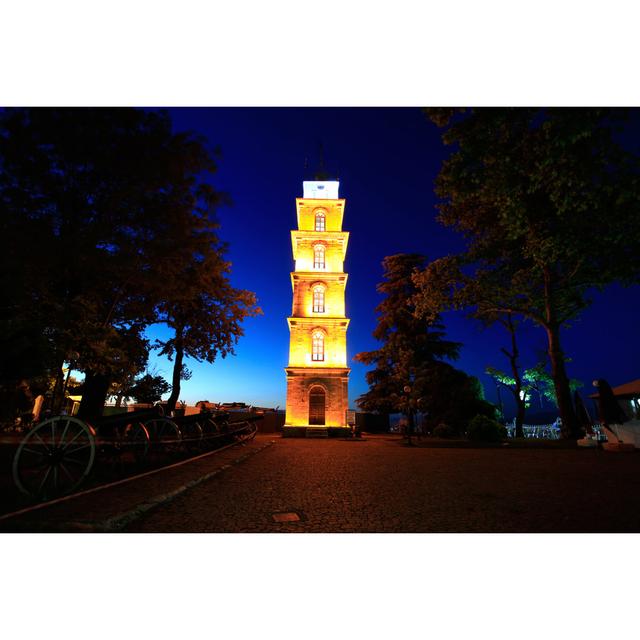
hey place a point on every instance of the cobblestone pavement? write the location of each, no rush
(109, 508)
(378, 485)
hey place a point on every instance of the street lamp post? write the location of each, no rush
(407, 390)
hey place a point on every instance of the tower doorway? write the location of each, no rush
(317, 403)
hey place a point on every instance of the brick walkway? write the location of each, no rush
(109, 508)
(380, 486)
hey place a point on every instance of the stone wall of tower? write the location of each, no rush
(303, 372)
(306, 213)
(333, 295)
(299, 384)
(300, 345)
(334, 253)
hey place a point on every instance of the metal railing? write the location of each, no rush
(546, 431)
(549, 431)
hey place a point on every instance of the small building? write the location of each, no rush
(628, 397)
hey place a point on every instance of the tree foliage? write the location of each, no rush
(202, 308)
(539, 381)
(100, 211)
(149, 388)
(409, 345)
(452, 397)
(546, 200)
(410, 373)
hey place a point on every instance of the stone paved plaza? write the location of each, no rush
(379, 485)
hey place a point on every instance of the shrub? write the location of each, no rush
(484, 429)
(443, 431)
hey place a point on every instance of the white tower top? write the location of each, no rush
(323, 190)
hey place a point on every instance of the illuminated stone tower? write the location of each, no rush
(317, 375)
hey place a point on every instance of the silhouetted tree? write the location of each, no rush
(452, 397)
(547, 202)
(514, 381)
(149, 388)
(93, 201)
(403, 365)
(203, 309)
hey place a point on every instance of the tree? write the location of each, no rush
(546, 200)
(204, 311)
(403, 366)
(25, 358)
(452, 397)
(149, 388)
(92, 203)
(534, 380)
(513, 382)
(538, 380)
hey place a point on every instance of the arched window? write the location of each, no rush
(318, 299)
(318, 256)
(320, 220)
(317, 346)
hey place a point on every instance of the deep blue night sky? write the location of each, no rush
(387, 160)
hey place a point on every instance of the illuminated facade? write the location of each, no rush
(317, 375)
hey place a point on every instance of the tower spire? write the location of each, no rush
(321, 173)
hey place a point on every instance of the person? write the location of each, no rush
(37, 407)
(609, 411)
(584, 419)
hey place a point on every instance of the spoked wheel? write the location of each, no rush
(248, 431)
(193, 436)
(209, 431)
(240, 428)
(164, 434)
(54, 458)
(136, 440)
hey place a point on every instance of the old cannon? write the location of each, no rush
(57, 455)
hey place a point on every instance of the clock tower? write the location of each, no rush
(317, 375)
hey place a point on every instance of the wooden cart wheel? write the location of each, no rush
(136, 439)
(193, 436)
(164, 434)
(209, 430)
(54, 457)
(210, 427)
(244, 430)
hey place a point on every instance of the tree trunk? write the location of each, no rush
(520, 417)
(539, 392)
(57, 398)
(556, 357)
(561, 384)
(94, 394)
(177, 373)
(513, 360)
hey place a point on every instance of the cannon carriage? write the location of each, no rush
(57, 455)
(200, 429)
